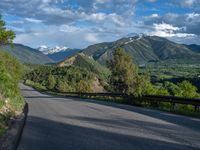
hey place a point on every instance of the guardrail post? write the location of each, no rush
(173, 105)
(196, 108)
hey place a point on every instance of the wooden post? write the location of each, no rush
(173, 105)
(196, 108)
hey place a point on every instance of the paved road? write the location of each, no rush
(56, 123)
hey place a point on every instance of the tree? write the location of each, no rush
(83, 86)
(51, 82)
(187, 89)
(63, 86)
(172, 88)
(124, 77)
(6, 36)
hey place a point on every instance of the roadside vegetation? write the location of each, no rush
(61, 79)
(11, 101)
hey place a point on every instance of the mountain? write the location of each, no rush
(83, 61)
(58, 53)
(59, 56)
(194, 47)
(144, 49)
(47, 50)
(26, 54)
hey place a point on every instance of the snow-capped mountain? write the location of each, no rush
(48, 50)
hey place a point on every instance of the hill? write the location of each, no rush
(26, 54)
(194, 47)
(145, 49)
(83, 61)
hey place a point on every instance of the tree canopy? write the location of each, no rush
(6, 36)
(125, 77)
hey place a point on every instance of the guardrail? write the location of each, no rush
(146, 98)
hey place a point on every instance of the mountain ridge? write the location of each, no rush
(26, 54)
(144, 49)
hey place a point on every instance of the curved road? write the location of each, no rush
(57, 123)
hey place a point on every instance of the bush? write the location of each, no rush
(83, 86)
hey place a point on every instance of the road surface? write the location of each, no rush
(57, 123)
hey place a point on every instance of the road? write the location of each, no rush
(58, 123)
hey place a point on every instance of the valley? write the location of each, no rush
(99, 75)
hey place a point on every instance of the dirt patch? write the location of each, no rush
(97, 87)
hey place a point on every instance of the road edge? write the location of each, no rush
(12, 137)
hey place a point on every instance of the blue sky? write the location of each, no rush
(79, 23)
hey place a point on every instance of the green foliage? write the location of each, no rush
(51, 82)
(187, 89)
(63, 86)
(6, 36)
(83, 86)
(172, 88)
(125, 77)
(10, 74)
(62, 79)
(35, 85)
(124, 72)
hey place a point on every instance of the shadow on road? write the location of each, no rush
(43, 134)
(189, 122)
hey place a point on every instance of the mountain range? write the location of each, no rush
(142, 48)
(146, 49)
(58, 53)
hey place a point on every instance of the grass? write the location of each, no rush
(11, 101)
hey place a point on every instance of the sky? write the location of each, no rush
(79, 23)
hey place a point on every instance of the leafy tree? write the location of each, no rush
(172, 88)
(63, 86)
(83, 86)
(124, 75)
(6, 36)
(187, 89)
(51, 82)
(124, 72)
(144, 85)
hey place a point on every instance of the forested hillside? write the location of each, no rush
(146, 49)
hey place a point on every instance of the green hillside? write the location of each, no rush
(11, 101)
(83, 61)
(144, 50)
(26, 54)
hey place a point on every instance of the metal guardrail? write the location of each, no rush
(146, 98)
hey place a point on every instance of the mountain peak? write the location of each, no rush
(48, 50)
(139, 35)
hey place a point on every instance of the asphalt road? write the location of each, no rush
(57, 123)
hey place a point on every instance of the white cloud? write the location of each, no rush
(91, 37)
(68, 28)
(33, 20)
(168, 30)
(188, 2)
